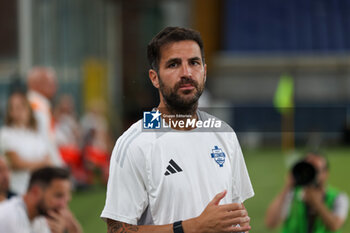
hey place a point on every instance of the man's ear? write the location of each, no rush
(153, 76)
(37, 190)
(205, 73)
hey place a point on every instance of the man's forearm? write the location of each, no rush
(331, 221)
(120, 227)
(274, 212)
(189, 226)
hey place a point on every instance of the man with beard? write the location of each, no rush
(183, 178)
(43, 208)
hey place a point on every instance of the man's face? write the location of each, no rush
(55, 197)
(49, 86)
(181, 75)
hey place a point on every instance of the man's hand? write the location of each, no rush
(313, 196)
(246, 223)
(56, 221)
(274, 214)
(71, 223)
(219, 218)
(63, 221)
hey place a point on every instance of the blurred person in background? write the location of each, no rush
(94, 125)
(43, 208)
(68, 139)
(67, 129)
(42, 88)
(96, 141)
(5, 192)
(314, 208)
(21, 142)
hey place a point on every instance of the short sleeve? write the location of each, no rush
(286, 205)
(127, 197)
(341, 206)
(242, 187)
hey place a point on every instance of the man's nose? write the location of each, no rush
(63, 202)
(186, 71)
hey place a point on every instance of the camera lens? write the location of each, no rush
(304, 173)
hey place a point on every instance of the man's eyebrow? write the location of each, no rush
(178, 60)
(195, 59)
(172, 60)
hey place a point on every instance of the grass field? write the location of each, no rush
(267, 170)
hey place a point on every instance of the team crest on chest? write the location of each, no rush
(218, 155)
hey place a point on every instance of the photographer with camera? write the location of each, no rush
(306, 203)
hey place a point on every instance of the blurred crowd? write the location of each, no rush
(38, 132)
(45, 152)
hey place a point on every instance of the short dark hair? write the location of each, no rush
(168, 35)
(44, 176)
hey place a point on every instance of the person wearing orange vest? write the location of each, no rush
(316, 208)
(42, 87)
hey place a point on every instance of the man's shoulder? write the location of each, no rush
(37, 101)
(13, 212)
(135, 135)
(338, 194)
(132, 144)
(343, 196)
(9, 205)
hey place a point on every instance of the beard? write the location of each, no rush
(41, 208)
(185, 103)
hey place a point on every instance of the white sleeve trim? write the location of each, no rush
(248, 195)
(117, 217)
(341, 206)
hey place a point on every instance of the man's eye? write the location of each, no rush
(172, 65)
(195, 63)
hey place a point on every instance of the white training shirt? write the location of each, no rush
(161, 177)
(14, 218)
(29, 145)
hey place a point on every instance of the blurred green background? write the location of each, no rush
(267, 169)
